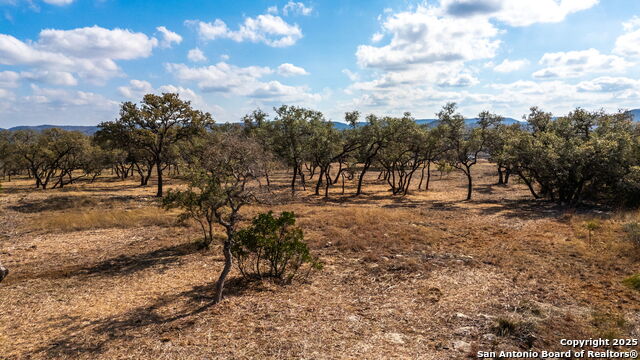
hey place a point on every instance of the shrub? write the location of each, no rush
(633, 281)
(273, 247)
(632, 231)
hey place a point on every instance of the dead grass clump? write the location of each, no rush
(632, 231)
(101, 219)
(522, 331)
(609, 325)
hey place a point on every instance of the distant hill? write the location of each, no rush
(635, 113)
(89, 130)
(428, 122)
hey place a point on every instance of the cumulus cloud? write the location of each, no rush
(168, 37)
(59, 78)
(137, 89)
(96, 42)
(517, 13)
(89, 52)
(608, 84)
(627, 44)
(510, 65)
(287, 69)
(60, 98)
(9, 79)
(578, 63)
(196, 55)
(227, 80)
(422, 37)
(296, 8)
(267, 28)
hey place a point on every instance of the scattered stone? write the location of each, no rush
(462, 346)
(465, 330)
(462, 316)
(395, 338)
(353, 318)
(489, 337)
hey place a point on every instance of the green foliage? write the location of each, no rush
(273, 247)
(633, 281)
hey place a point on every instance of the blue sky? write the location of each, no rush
(74, 61)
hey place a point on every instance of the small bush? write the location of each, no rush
(632, 231)
(273, 247)
(633, 281)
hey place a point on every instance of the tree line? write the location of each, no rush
(582, 156)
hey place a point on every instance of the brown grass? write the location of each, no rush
(99, 272)
(102, 219)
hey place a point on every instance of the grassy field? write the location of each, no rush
(99, 271)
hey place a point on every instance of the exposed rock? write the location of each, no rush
(465, 330)
(489, 337)
(395, 338)
(462, 346)
(462, 316)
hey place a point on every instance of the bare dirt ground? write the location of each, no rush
(98, 271)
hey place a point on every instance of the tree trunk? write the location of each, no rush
(428, 175)
(500, 176)
(507, 173)
(293, 180)
(361, 178)
(3, 272)
(228, 262)
(469, 184)
(159, 170)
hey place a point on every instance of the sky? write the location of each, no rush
(73, 62)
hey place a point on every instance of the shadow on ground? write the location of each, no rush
(166, 314)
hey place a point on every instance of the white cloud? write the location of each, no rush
(168, 37)
(9, 79)
(89, 52)
(58, 2)
(196, 55)
(510, 65)
(462, 79)
(60, 98)
(136, 89)
(96, 43)
(59, 78)
(609, 84)
(287, 69)
(272, 10)
(297, 8)
(422, 37)
(516, 13)
(221, 77)
(578, 63)
(627, 44)
(267, 28)
(227, 80)
(351, 75)
(377, 37)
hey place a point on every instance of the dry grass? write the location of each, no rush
(107, 275)
(102, 219)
